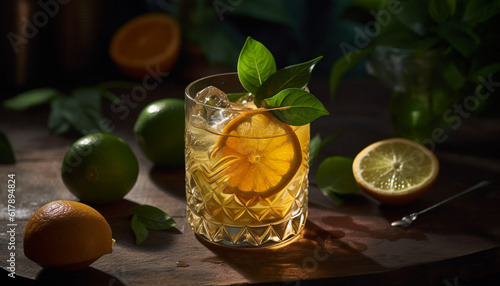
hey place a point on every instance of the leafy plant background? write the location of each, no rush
(463, 32)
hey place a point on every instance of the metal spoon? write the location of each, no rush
(407, 220)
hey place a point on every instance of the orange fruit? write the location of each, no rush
(395, 171)
(265, 154)
(99, 168)
(67, 235)
(147, 43)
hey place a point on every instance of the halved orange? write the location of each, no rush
(67, 235)
(147, 44)
(266, 154)
(395, 171)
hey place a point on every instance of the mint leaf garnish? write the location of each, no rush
(335, 177)
(283, 89)
(299, 106)
(146, 217)
(255, 64)
(294, 76)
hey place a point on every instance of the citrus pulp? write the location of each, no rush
(395, 171)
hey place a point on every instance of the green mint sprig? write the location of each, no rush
(283, 90)
(146, 217)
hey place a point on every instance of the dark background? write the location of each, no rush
(66, 42)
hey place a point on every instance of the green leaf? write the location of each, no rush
(104, 88)
(88, 96)
(110, 96)
(453, 76)
(414, 16)
(317, 144)
(440, 10)
(264, 10)
(140, 231)
(485, 72)
(233, 97)
(334, 175)
(255, 65)
(314, 148)
(6, 153)
(335, 197)
(294, 76)
(31, 98)
(83, 111)
(300, 107)
(153, 217)
(90, 100)
(57, 123)
(342, 65)
(81, 119)
(461, 38)
(479, 11)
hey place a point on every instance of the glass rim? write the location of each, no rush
(257, 110)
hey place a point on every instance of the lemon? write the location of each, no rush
(159, 131)
(100, 168)
(395, 171)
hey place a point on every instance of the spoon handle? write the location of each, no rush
(473, 188)
(407, 220)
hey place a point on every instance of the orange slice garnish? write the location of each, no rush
(265, 154)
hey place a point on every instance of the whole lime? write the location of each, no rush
(159, 131)
(99, 168)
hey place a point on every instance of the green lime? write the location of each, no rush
(159, 131)
(99, 168)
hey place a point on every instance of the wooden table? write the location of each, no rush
(350, 244)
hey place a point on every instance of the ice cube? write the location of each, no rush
(244, 103)
(212, 115)
(213, 96)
